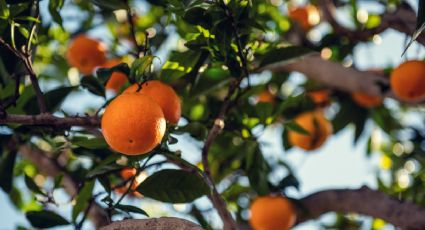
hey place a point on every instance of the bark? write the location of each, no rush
(403, 214)
(51, 168)
(333, 74)
(153, 224)
(47, 119)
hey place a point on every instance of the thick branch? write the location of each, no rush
(51, 168)
(153, 224)
(333, 74)
(366, 201)
(50, 120)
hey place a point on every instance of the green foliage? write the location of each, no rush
(45, 219)
(174, 186)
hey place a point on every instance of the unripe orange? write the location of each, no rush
(408, 81)
(318, 127)
(133, 124)
(86, 53)
(272, 213)
(162, 94)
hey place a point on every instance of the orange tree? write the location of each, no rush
(207, 88)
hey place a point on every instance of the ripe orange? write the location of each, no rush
(407, 81)
(272, 213)
(366, 101)
(86, 53)
(319, 97)
(265, 97)
(126, 174)
(306, 16)
(117, 79)
(162, 94)
(133, 124)
(318, 127)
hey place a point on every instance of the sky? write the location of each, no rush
(337, 164)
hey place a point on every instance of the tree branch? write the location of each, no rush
(333, 74)
(402, 19)
(366, 201)
(52, 168)
(51, 120)
(153, 223)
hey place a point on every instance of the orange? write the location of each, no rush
(272, 213)
(319, 97)
(86, 53)
(127, 174)
(408, 81)
(117, 79)
(366, 101)
(306, 16)
(265, 97)
(133, 124)
(318, 127)
(164, 95)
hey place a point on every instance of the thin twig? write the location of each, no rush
(133, 30)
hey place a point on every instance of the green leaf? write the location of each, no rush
(130, 208)
(54, 7)
(174, 186)
(6, 171)
(93, 85)
(257, 170)
(53, 99)
(289, 181)
(286, 54)
(140, 66)
(45, 219)
(4, 10)
(90, 143)
(83, 199)
(291, 125)
(106, 165)
(111, 4)
(32, 185)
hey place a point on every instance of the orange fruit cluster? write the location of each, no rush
(134, 123)
(306, 16)
(272, 213)
(86, 54)
(407, 81)
(318, 127)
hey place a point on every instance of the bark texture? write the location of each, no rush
(153, 224)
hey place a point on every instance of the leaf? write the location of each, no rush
(45, 219)
(103, 74)
(83, 199)
(286, 54)
(6, 171)
(140, 66)
(4, 10)
(32, 185)
(130, 208)
(54, 7)
(289, 181)
(420, 25)
(93, 85)
(90, 143)
(110, 4)
(173, 186)
(105, 166)
(53, 99)
(257, 170)
(291, 125)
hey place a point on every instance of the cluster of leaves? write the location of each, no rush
(222, 41)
